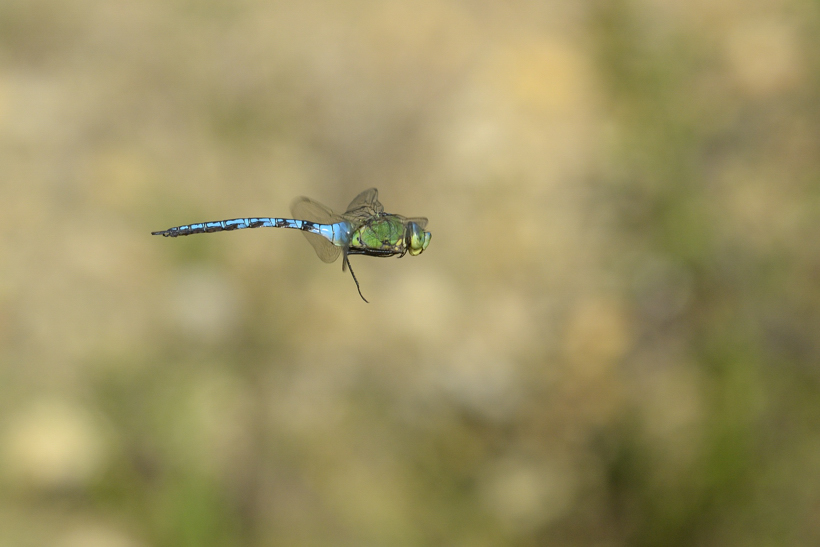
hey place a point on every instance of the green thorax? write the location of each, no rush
(384, 234)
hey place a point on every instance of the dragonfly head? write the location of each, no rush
(417, 239)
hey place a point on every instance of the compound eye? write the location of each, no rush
(417, 239)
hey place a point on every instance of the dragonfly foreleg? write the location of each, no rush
(347, 262)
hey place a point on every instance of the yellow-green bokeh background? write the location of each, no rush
(612, 340)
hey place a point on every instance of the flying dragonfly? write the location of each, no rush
(363, 229)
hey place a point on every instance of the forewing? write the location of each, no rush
(366, 203)
(306, 209)
(421, 221)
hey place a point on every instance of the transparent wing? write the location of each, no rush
(421, 221)
(304, 208)
(365, 205)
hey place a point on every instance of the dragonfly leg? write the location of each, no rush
(346, 261)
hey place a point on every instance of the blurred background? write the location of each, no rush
(612, 339)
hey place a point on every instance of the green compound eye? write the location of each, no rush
(417, 239)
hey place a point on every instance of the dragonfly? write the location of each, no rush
(363, 229)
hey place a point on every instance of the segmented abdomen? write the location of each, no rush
(237, 224)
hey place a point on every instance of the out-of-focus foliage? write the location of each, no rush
(611, 340)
